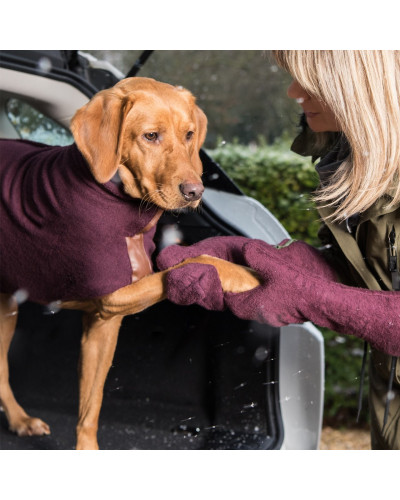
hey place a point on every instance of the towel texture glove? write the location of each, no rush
(291, 294)
(200, 283)
(231, 248)
(298, 285)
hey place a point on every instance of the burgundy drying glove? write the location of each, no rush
(224, 247)
(195, 284)
(293, 292)
(200, 284)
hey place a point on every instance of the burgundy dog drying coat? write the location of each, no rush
(63, 235)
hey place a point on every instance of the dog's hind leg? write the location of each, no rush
(99, 339)
(19, 421)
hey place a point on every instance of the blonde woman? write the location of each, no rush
(351, 122)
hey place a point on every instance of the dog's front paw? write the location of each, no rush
(28, 426)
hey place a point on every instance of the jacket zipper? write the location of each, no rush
(393, 265)
(394, 270)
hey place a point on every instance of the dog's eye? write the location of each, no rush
(189, 135)
(151, 136)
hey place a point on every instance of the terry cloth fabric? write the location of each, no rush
(63, 235)
(297, 286)
(292, 293)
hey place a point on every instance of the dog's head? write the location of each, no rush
(151, 133)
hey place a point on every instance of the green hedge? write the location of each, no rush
(283, 182)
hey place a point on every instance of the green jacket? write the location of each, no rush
(366, 252)
(363, 255)
(366, 259)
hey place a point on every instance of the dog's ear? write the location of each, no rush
(201, 125)
(201, 120)
(98, 128)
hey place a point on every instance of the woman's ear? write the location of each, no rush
(98, 129)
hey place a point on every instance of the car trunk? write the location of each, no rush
(182, 377)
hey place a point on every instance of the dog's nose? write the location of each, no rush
(191, 192)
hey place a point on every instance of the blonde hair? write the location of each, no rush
(362, 88)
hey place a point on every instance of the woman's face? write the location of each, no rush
(319, 117)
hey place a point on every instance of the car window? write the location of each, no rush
(33, 125)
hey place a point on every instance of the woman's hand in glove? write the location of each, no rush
(290, 293)
(297, 285)
(200, 284)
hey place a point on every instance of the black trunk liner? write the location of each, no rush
(182, 378)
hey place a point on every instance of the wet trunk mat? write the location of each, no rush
(182, 378)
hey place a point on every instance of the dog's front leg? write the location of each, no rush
(152, 288)
(99, 339)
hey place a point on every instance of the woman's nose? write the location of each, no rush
(295, 91)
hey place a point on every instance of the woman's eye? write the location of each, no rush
(189, 135)
(151, 136)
